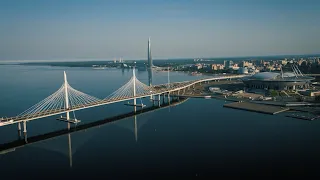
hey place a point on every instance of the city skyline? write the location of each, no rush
(104, 30)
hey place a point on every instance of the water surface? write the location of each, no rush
(196, 138)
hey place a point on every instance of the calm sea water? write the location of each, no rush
(194, 139)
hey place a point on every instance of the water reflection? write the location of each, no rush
(135, 128)
(79, 136)
(135, 125)
(122, 71)
(70, 150)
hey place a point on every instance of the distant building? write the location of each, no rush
(245, 64)
(228, 64)
(198, 66)
(284, 62)
(150, 63)
(217, 67)
(243, 70)
(309, 93)
(277, 81)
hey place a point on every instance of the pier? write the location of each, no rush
(260, 108)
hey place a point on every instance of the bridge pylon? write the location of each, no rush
(66, 95)
(134, 87)
(66, 102)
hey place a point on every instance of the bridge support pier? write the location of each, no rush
(25, 126)
(168, 97)
(19, 126)
(25, 131)
(134, 102)
(19, 130)
(159, 101)
(25, 137)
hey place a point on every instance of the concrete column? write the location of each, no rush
(19, 126)
(24, 126)
(25, 131)
(159, 102)
(19, 130)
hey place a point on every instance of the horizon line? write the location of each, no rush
(158, 59)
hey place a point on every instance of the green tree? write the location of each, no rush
(273, 93)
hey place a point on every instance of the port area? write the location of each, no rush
(230, 92)
(260, 108)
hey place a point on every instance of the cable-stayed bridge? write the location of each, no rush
(67, 99)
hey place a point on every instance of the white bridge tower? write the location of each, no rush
(134, 87)
(66, 103)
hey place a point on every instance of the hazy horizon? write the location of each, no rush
(82, 30)
(183, 58)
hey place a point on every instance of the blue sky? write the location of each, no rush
(107, 29)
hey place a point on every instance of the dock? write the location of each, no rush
(303, 117)
(260, 108)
